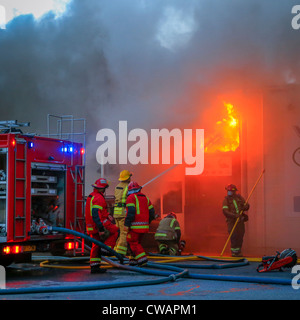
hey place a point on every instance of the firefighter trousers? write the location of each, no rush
(121, 245)
(134, 240)
(113, 236)
(237, 236)
(95, 255)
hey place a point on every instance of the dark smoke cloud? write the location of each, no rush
(136, 60)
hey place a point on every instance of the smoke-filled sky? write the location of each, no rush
(142, 61)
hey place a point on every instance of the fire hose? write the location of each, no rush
(175, 272)
(84, 236)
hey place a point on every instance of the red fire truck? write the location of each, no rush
(41, 184)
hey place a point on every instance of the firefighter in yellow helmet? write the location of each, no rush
(168, 236)
(120, 210)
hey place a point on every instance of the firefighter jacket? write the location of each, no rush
(96, 213)
(168, 229)
(139, 212)
(233, 205)
(120, 200)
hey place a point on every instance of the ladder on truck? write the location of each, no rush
(20, 190)
(20, 165)
(79, 181)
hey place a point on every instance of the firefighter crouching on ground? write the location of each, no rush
(120, 210)
(139, 214)
(98, 223)
(233, 204)
(168, 235)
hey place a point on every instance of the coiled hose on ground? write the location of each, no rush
(175, 271)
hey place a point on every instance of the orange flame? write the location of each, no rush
(227, 136)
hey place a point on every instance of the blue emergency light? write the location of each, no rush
(30, 145)
(67, 149)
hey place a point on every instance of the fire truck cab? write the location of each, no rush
(41, 184)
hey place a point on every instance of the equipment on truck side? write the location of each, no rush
(42, 181)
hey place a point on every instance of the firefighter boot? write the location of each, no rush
(236, 252)
(97, 269)
(142, 262)
(133, 262)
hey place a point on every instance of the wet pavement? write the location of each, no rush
(32, 275)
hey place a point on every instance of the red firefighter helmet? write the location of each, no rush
(133, 187)
(100, 184)
(172, 214)
(231, 187)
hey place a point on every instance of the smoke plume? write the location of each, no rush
(151, 63)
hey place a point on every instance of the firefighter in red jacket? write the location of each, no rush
(139, 214)
(98, 223)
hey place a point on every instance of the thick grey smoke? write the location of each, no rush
(142, 61)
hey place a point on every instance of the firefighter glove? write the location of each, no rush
(104, 234)
(246, 207)
(244, 217)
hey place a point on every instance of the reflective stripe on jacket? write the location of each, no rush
(95, 201)
(168, 229)
(233, 205)
(137, 212)
(120, 200)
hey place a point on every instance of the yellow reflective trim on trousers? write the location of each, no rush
(90, 229)
(225, 207)
(177, 228)
(122, 250)
(95, 259)
(120, 247)
(140, 255)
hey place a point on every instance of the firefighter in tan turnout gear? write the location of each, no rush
(168, 236)
(120, 210)
(233, 205)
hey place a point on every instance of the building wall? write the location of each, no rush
(271, 139)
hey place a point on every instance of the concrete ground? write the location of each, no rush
(32, 275)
